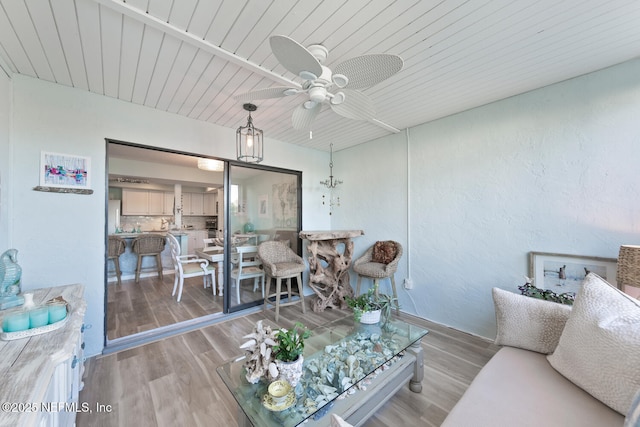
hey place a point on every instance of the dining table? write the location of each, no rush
(214, 254)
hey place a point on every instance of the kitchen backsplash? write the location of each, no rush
(148, 223)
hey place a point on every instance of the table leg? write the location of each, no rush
(220, 278)
(415, 384)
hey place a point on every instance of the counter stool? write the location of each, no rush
(116, 248)
(148, 245)
(280, 262)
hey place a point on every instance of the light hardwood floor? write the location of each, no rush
(139, 307)
(173, 382)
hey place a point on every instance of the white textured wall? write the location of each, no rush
(61, 237)
(5, 159)
(553, 170)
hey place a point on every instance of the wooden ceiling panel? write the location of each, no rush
(191, 57)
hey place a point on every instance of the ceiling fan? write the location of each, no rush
(337, 87)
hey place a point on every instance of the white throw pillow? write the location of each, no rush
(528, 323)
(599, 349)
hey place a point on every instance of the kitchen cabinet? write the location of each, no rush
(195, 239)
(209, 201)
(146, 202)
(156, 203)
(198, 204)
(135, 202)
(161, 203)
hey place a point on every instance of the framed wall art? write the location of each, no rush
(562, 273)
(65, 171)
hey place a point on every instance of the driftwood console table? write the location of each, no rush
(330, 254)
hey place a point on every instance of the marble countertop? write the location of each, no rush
(180, 232)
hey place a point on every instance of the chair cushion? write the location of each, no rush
(371, 269)
(384, 252)
(528, 323)
(286, 269)
(192, 267)
(599, 349)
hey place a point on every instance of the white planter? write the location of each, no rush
(290, 371)
(370, 317)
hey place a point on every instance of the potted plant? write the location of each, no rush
(288, 352)
(371, 307)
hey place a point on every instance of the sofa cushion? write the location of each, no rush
(337, 421)
(519, 388)
(599, 349)
(633, 416)
(529, 323)
(384, 252)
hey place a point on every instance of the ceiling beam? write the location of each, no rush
(169, 29)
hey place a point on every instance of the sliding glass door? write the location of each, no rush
(263, 204)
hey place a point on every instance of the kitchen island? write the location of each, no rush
(129, 260)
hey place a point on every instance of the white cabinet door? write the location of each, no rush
(135, 202)
(209, 201)
(168, 203)
(192, 237)
(197, 204)
(156, 203)
(193, 204)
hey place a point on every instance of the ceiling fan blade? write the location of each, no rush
(368, 70)
(295, 57)
(356, 106)
(270, 92)
(303, 117)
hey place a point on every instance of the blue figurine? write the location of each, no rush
(10, 273)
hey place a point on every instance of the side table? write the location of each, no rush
(330, 254)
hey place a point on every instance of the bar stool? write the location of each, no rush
(148, 245)
(116, 248)
(280, 262)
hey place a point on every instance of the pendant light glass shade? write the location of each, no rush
(249, 140)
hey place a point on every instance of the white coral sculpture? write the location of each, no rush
(258, 351)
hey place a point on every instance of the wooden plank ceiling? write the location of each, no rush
(190, 57)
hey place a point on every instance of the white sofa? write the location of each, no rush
(559, 366)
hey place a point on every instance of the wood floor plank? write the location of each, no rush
(174, 381)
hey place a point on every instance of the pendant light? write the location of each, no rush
(249, 146)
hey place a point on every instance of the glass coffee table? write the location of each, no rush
(348, 370)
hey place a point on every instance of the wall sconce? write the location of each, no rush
(249, 146)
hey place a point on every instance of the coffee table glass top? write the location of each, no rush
(338, 359)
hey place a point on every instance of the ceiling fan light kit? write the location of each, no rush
(320, 81)
(249, 140)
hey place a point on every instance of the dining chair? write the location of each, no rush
(380, 261)
(248, 267)
(117, 246)
(280, 262)
(186, 266)
(148, 245)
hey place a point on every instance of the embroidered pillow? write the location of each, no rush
(384, 252)
(599, 349)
